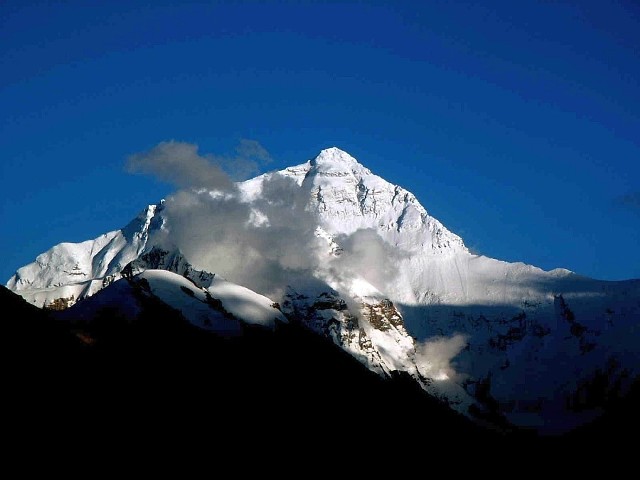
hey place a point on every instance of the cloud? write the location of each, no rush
(434, 356)
(249, 159)
(180, 164)
(365, 254)
(264, 245)
(630, 200)
(474, 250)
(270, 243)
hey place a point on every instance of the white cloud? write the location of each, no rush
(217, 231)
(434, 356)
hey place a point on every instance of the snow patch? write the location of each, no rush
(246, 304)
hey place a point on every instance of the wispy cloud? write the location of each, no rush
(366, 255)
(250, 157)
(180, 164)
(630, 200)
(434, 357)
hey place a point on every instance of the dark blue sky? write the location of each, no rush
(517, 124)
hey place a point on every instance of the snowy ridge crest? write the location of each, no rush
(348, 197)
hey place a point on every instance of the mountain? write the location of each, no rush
(136, 370)
(342, 252)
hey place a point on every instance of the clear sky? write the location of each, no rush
(517, 124)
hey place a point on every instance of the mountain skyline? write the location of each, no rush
(334, 248)
(514, 125)
(180, 164)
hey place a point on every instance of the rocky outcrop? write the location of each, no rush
(368, 330)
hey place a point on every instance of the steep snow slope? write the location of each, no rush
(222, 307)
(501, 339)
(71, 271)
(245, 304)
(230, 303)
(348, 197)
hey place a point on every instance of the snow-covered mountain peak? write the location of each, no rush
(347, 197)
(335, 160)
(391, 285)
(334, 154)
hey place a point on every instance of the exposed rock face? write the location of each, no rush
(60, 303)
(374, 333)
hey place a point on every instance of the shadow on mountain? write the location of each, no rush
(529, 350)
(158, 379)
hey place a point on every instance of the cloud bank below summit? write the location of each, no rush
(267, 244)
